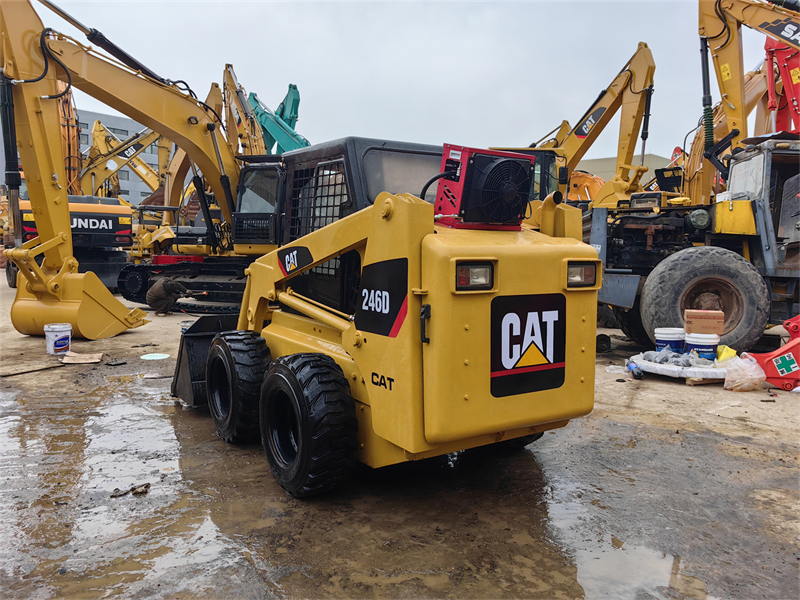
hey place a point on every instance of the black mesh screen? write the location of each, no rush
(317, 199)
(253, 228)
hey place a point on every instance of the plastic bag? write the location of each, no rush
(744, 374)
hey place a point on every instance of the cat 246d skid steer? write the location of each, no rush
(391, 327)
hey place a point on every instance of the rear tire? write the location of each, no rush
(308, 424)
(630, 321)
(235, 368)
(708, 277)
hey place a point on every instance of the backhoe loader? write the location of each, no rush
(393, 326)
(629, 92)
(693, 244)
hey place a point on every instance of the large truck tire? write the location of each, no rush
(308, 424)
(11, 274)
(708, 278)
(630, 322)
(235, 368)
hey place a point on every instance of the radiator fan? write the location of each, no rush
(500, 189)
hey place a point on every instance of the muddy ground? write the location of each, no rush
(664, 491)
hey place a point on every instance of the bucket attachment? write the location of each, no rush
(83, 302)
(189, 380)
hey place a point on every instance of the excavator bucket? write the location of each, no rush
(85, 303)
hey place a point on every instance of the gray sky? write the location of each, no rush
(472, 73)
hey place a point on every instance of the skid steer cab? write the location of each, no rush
(405, 328)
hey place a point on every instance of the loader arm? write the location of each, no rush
(108, 155)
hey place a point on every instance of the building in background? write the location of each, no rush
(606, 167)
(131, 187)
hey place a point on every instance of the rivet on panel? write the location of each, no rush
(466, 396)
(466, 327)
(466, 361)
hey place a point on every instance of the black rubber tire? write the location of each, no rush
(605, 317)
(630, 322)
(11, 274)
(669, 287)
(236, 365)
(308, 424)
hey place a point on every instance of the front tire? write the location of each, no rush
(235, 368)
(709, 278)
(308, 424)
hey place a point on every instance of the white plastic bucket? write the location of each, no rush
(705, 344)
(58, 337)
(669, 336)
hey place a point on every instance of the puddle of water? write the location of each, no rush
(62, 533)
(607, 566)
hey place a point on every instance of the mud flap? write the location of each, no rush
(85, 303)
(189, 380)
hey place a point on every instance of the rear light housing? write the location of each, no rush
(581, 274)
(474, 276)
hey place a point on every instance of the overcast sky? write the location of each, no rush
(471, 73)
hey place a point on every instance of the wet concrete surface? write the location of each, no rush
(664, 491)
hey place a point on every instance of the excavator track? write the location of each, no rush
(223, 281)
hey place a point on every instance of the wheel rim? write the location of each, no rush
(220, 389)
(715, 294)
(283, 428)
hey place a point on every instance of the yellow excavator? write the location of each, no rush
(629, 93)
(108, 155)
(54, 291)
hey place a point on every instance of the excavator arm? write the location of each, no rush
(278, 129)
(628, 92)
(53, 291)
(243, 128)
(108, 155)
(720, 24)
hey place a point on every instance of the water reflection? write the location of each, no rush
(608, 567)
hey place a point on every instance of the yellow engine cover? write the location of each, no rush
(520, 354)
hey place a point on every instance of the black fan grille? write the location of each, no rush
(505, 190)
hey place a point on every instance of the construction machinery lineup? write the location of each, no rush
(383, 320)
(693, 244)
(386, 311)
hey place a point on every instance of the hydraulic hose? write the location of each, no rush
(790, 4)
(708, 111)
(435, 178)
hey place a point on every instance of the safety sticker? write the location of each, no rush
(786, 364)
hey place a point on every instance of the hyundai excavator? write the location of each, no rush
(694, 244)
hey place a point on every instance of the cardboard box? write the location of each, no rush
(704, 321)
